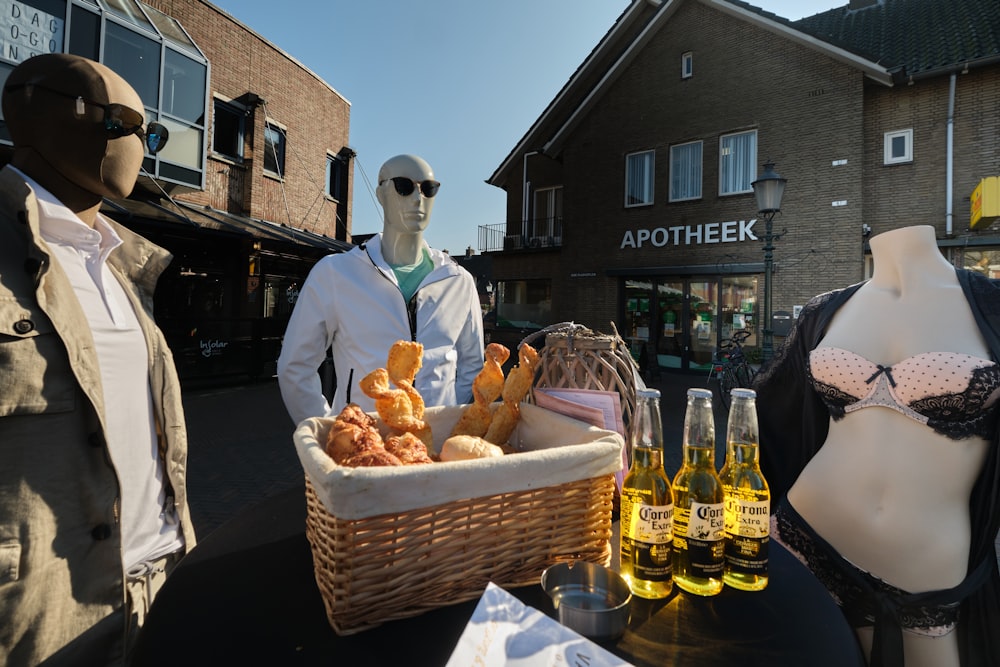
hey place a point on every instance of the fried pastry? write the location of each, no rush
(486, 388)
(394, 405)
(515, 388)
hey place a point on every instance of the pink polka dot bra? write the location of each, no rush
(957, 395)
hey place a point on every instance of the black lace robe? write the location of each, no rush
(794, 423)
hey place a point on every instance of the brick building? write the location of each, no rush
(254, 185)
(629, 200)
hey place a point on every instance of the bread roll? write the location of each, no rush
(463, 447)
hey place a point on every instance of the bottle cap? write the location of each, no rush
(647, 393)
(742, 392)
(696, 392)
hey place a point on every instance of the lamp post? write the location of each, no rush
(768, 189)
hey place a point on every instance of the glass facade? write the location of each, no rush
(678, 321)
(147, 48)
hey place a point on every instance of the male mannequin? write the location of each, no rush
(394, 287)
(889, 494)
(93, 498)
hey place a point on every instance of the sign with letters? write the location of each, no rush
(26, 31)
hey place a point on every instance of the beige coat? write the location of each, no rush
(61, 570)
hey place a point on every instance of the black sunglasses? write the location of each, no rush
(119, 120)
(404, 186)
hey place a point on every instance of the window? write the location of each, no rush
(687, 65)
(525, 304)
(685, 171)
(274, 149)
(547, 223)
(737, 162)
(899, 146)
(229, 130)
(335, 173)
(639, 179)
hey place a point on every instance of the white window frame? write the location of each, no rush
(648, 176)
(889, 137)
(696, 180)
(687, 65)
(746, 164)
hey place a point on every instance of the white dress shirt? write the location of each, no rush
(148, 531)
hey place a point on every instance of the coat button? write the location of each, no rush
(101, 532)
(22, 217)
(32, 266)
(24, 326)
(96, 439)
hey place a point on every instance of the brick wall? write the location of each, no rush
(316, 117)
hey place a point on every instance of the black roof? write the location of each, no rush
(909, 36)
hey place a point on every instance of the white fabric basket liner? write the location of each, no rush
(552, 450)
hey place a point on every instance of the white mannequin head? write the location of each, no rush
(411, 213)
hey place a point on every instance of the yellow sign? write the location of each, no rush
(985, 203)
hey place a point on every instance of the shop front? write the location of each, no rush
(676, 318)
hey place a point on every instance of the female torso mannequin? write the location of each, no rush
(890, 494)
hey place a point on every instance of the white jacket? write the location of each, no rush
(352, 303)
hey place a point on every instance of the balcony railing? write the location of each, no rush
(536, 234)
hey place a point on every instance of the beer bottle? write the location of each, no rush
(748, 499)
(698, 503)
(647, 506)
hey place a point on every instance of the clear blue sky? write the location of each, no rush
(457, 82)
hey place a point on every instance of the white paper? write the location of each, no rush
(504, 632)
(582, 404)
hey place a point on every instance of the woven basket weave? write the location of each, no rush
(575, 357)
(395, 566)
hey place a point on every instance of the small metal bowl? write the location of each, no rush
(591, 599)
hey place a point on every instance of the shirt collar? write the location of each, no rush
(58, 224)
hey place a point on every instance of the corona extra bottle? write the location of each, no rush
(698, 503)
(647, 506)
(748, 499)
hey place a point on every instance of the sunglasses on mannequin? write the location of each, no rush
(119, 120)
(405, 186)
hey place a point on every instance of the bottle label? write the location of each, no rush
(748, 525)
(647, 533)
(748, 518)
(705, 539)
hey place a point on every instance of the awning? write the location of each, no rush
(192, 216)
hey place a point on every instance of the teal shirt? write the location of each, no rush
(410, 276)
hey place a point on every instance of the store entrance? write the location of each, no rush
(677, 322)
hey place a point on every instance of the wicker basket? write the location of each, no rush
(575, 357)
(379, 568)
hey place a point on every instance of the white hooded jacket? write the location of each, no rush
(351, 303)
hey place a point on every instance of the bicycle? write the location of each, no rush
(730, 367)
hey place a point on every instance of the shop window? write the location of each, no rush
(685, 171)
(899, 146)
(336, 172)
(737, 162)
(85, 33)
(687, 65)
(228, 130)
(986, 262)
(639, 179)
(183, 87)
(524, 304)
(274, 150)
(137, 59)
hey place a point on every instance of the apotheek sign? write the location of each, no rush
(733, 231)
(26, 31)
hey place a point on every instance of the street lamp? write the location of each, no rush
(768, 189)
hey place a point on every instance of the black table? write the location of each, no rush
(246, 595)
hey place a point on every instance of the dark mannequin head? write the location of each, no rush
(64, 131)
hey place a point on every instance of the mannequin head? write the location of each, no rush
(409, 213)
(55, 108)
